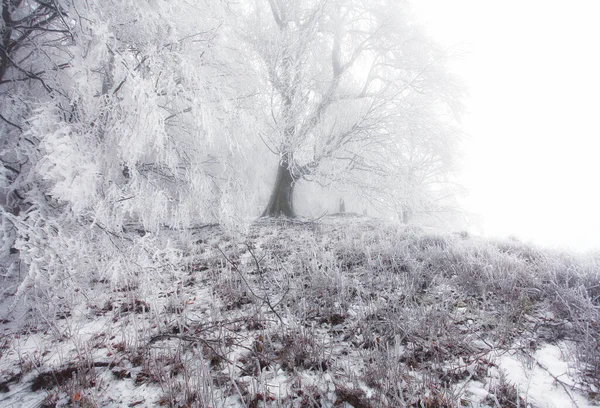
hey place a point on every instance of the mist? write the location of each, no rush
(530, 157)
(307, 203)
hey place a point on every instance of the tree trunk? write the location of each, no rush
(281, 201)
(405, 215)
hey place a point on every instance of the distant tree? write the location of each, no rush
(423, 166)
(340, 76)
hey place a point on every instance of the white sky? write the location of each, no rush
(532, 160)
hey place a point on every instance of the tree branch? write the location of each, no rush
(11, 123)
(277, 15)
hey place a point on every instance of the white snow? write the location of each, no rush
(539, 377)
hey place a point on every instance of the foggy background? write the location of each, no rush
(531, 157)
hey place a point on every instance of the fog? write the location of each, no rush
(280, 203)
(300, 109)
(530, 158)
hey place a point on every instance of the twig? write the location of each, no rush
(264, 300)
(192, 339)
(120, 85)
(124, 199)
(10, 123)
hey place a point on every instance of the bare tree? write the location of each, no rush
(340, 75)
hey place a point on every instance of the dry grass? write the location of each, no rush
(356, 313)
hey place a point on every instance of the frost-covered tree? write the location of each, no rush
(423, 167)
(33, 34)
(339, 76)
(133, 131)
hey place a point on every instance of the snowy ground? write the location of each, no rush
(345, 312)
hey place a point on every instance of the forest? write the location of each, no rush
(249, 203)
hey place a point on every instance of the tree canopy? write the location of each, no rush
(118, 116)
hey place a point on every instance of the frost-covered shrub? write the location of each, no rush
(134, 135)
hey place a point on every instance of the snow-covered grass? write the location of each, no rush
(343, 311)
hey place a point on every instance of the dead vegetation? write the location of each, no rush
(334, 313)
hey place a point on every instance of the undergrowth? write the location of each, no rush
(309, 314)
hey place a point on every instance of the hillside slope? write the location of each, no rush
(343, 311)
